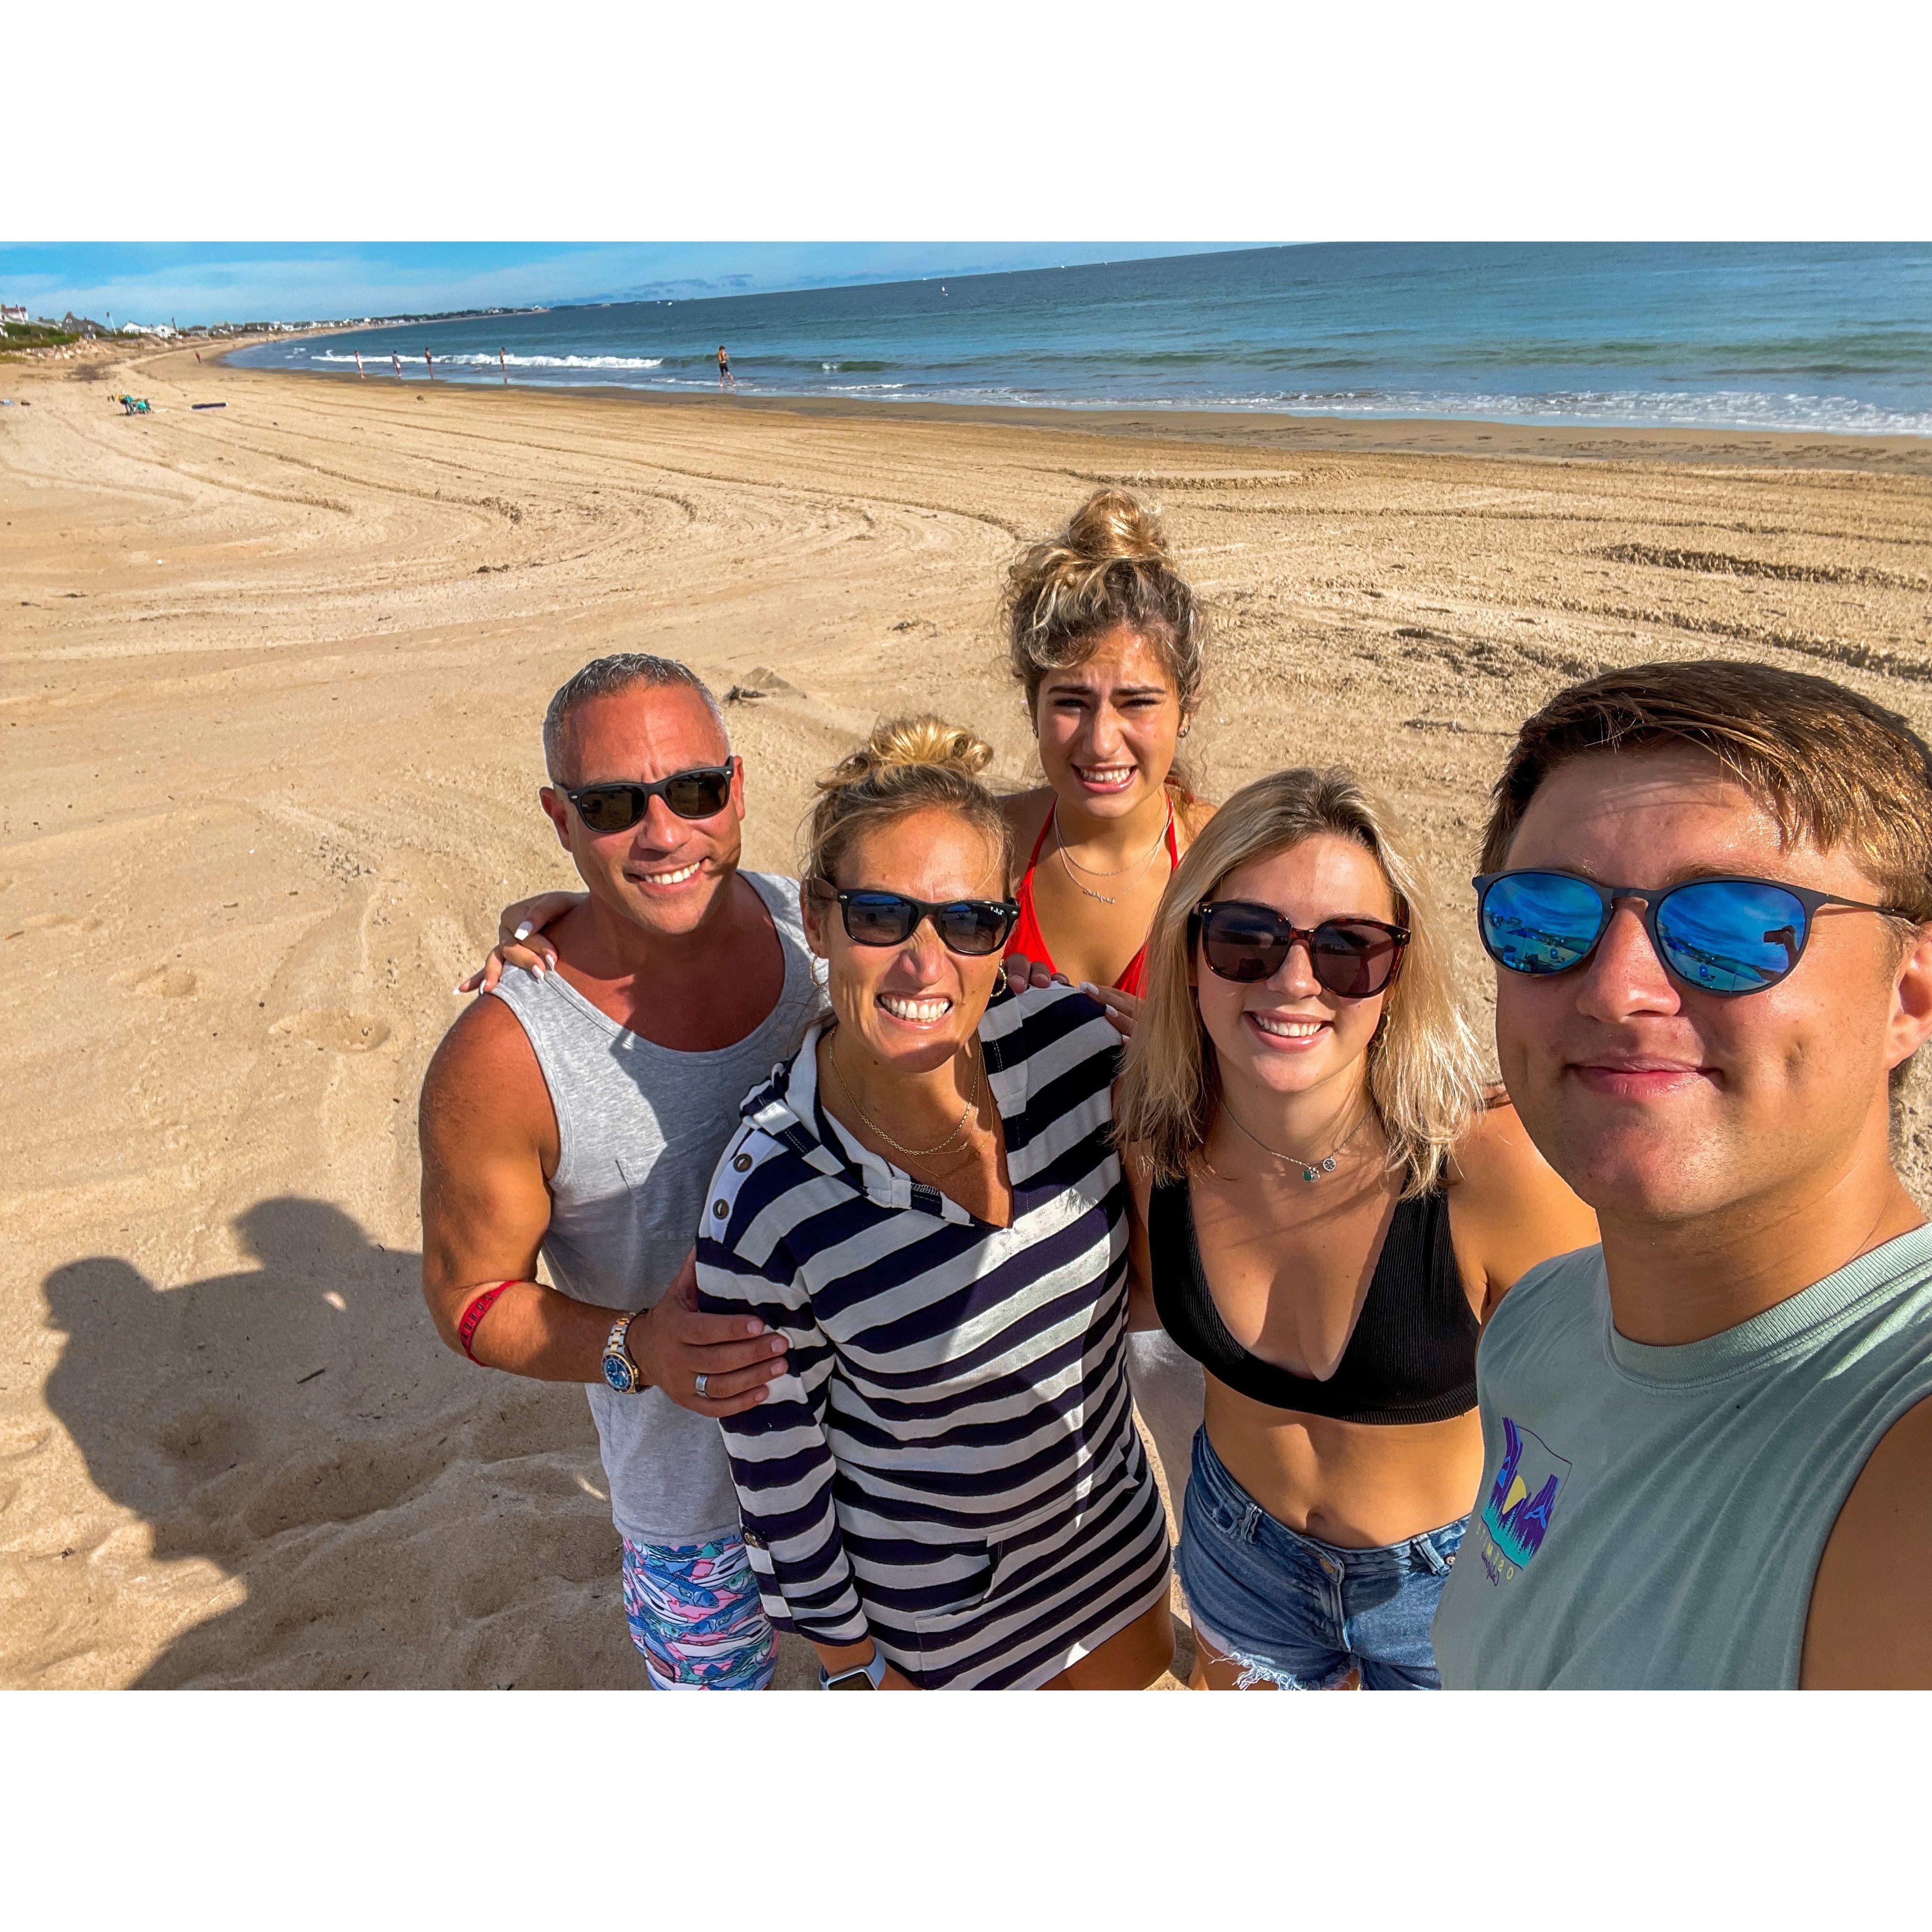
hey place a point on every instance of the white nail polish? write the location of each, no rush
(523, 932)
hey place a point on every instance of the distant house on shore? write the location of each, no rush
(8, 312)
(83, 325)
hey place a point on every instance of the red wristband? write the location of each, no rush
(466, 1329)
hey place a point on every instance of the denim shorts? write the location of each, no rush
(694, 1614)
(1300, 1614)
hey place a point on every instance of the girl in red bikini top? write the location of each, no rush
(1030, 943)
(1104, 637)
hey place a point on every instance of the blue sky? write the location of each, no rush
(201, 282)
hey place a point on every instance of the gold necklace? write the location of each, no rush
(917, 1154)
(1309, 1172)
(1070, 865)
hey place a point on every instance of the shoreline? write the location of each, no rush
(1257, 430)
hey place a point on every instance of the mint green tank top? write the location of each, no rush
(1652, 1518)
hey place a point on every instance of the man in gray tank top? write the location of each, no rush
(1709, 1442)
(580, 1112)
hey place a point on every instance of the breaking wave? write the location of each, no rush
(483, 359)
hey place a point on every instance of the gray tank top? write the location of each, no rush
(1652, 1518)
(640, 1127)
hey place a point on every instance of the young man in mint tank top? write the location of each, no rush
(1709, 1443)
(580, 1113)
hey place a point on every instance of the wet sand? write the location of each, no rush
(271, 678)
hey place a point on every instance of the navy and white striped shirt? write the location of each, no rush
(950, 1462)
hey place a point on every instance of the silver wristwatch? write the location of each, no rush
(620, 1368)
(860, 1677)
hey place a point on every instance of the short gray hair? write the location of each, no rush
(604, 677)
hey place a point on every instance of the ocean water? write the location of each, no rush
(1830, 337)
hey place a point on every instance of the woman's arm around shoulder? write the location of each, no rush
(1508, 1208)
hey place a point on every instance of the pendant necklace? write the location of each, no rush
(917, 1154)
(1309, 1172)
(1139, 866)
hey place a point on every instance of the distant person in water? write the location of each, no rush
(726, 380)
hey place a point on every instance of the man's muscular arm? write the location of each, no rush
(489, 1144)
(1869, 1627)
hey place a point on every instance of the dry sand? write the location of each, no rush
(272, 675)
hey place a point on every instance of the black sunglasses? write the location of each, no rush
(1728, 936)
(699, 794)
(1353, 959)
(972, 928)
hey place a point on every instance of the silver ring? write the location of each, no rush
(704, 1384)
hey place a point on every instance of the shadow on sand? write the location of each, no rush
(398, 1517)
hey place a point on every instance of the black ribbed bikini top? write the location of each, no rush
(1412, 1358)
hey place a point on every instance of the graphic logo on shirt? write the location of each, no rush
(1522, 1499)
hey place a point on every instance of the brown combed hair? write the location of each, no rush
(1110, 566)
(1424, 1076)
(1829, 766)
(906, 765)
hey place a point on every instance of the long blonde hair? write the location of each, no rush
(1423, 1072)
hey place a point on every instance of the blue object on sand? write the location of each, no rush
(208, 406)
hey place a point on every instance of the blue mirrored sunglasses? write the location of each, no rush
(1724, 936)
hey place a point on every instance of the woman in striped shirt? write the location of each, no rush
(945, 1488)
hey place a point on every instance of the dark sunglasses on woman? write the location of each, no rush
(1353, 959)
(1727, 936)
(972, 928)
(700, 793)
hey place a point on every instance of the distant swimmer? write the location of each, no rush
(726, 380)
(431, 360)
(398, 361)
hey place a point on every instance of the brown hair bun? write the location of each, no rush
(1111, 565)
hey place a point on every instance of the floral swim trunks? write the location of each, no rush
(693, 1612)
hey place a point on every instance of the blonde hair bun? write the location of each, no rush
(898, 742)
(906, 765)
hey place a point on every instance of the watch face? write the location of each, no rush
(617, 1373)
(852, 1680)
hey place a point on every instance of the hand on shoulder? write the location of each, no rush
(520, 939)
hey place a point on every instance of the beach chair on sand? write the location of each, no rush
(135, 405)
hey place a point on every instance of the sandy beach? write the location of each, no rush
(270, 679)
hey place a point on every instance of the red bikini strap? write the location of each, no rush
(1046, 825)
